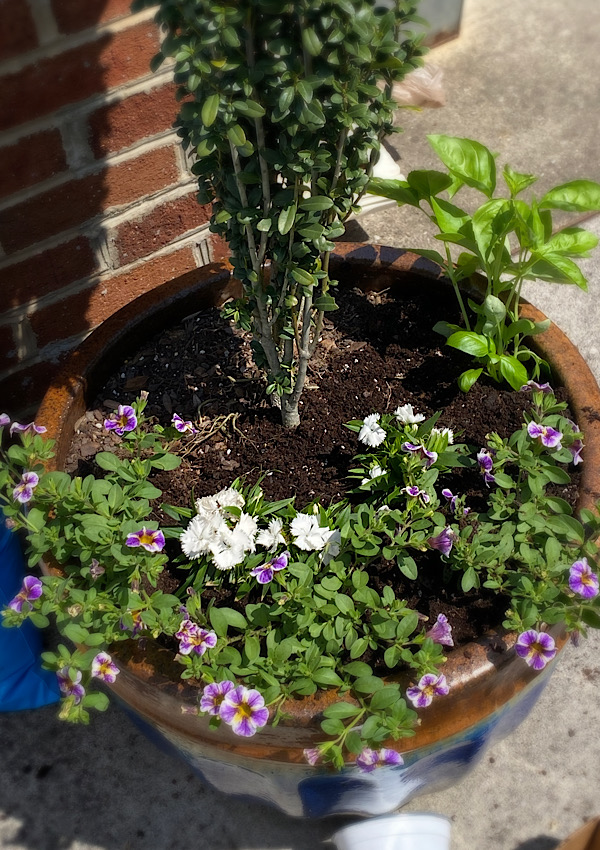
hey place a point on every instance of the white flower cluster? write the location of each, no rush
(227, 538)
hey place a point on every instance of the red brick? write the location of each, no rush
(87, 309)
(24, 390)
(30, 160)
(77, 74)
(140, 116)
(47, 272)
(74, 15)
(146, 234)
(79, 200)
(17, 29)
(219, 248)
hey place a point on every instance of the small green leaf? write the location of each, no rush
(576, 196)
(469, 580)
(249, 108)
(471, 161)
(368, 684)
(210, 109)
(311, 41)
(513, 371)
(236, 136)
(286, 219)
(316, 202)
(468, 378)
(470, 343)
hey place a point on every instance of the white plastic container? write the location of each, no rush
(410, 831)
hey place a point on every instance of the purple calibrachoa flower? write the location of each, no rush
(138, 623)
(193, 637)
(576, 448)
(31, 589)
(415, 492)
(424, 454)
(443, 541)
(264, 574)
(367, 760)
(4, 419)
(582, 580)
(104, 668)
(486, 463)
(312, 755)
(151, 541)
(96, 569)
(536, 648)
(183, 426)
(124, 419)
(70, 687)
(23, 492)
(213, 696)
(530, 386)
(429, 686)
(550, 437)
(448, 494)
(441, 631)
(244, 710)
(27, 429)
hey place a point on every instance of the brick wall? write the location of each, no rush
(96, 202)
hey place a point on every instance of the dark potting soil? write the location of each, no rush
(377, 352)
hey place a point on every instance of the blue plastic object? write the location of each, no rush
(23, 682)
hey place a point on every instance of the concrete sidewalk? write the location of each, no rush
(523, 79)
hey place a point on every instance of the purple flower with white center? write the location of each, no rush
(582, 580)
(31, 427)
(387, 756)
(536, 648)
(530, 386)
(486, 463)
(371, 432)
(123, 420)
(441, 631)
(429, 686)
(415, 492)
(213, 696)
(4, 419)
(70, 687)
(448, 494)
(31, 589)
(183, 426)
(194, 638)
(138, 623)
(443, 541)
(576, 448)
(423, 453)
(151, 541)
(550, 437)
(264, 574)
(23, 492)
(104, 668)
(244, 710)
(312, 755)
(367, 760)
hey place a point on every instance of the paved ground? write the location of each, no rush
(522, 78)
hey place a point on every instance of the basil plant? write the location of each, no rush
(283, 109)
(506, 239)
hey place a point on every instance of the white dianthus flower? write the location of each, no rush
(375, 472)
(227, 551)
(371, 432)
(245, 532)
(208, 506)
(308, 533)
(229, 497)
(193, 540)
(407, 416)
(271, 537)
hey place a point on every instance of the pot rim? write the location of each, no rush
(141, 677)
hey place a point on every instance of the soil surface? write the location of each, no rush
(377, 352)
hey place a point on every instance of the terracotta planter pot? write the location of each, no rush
(491, 689)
